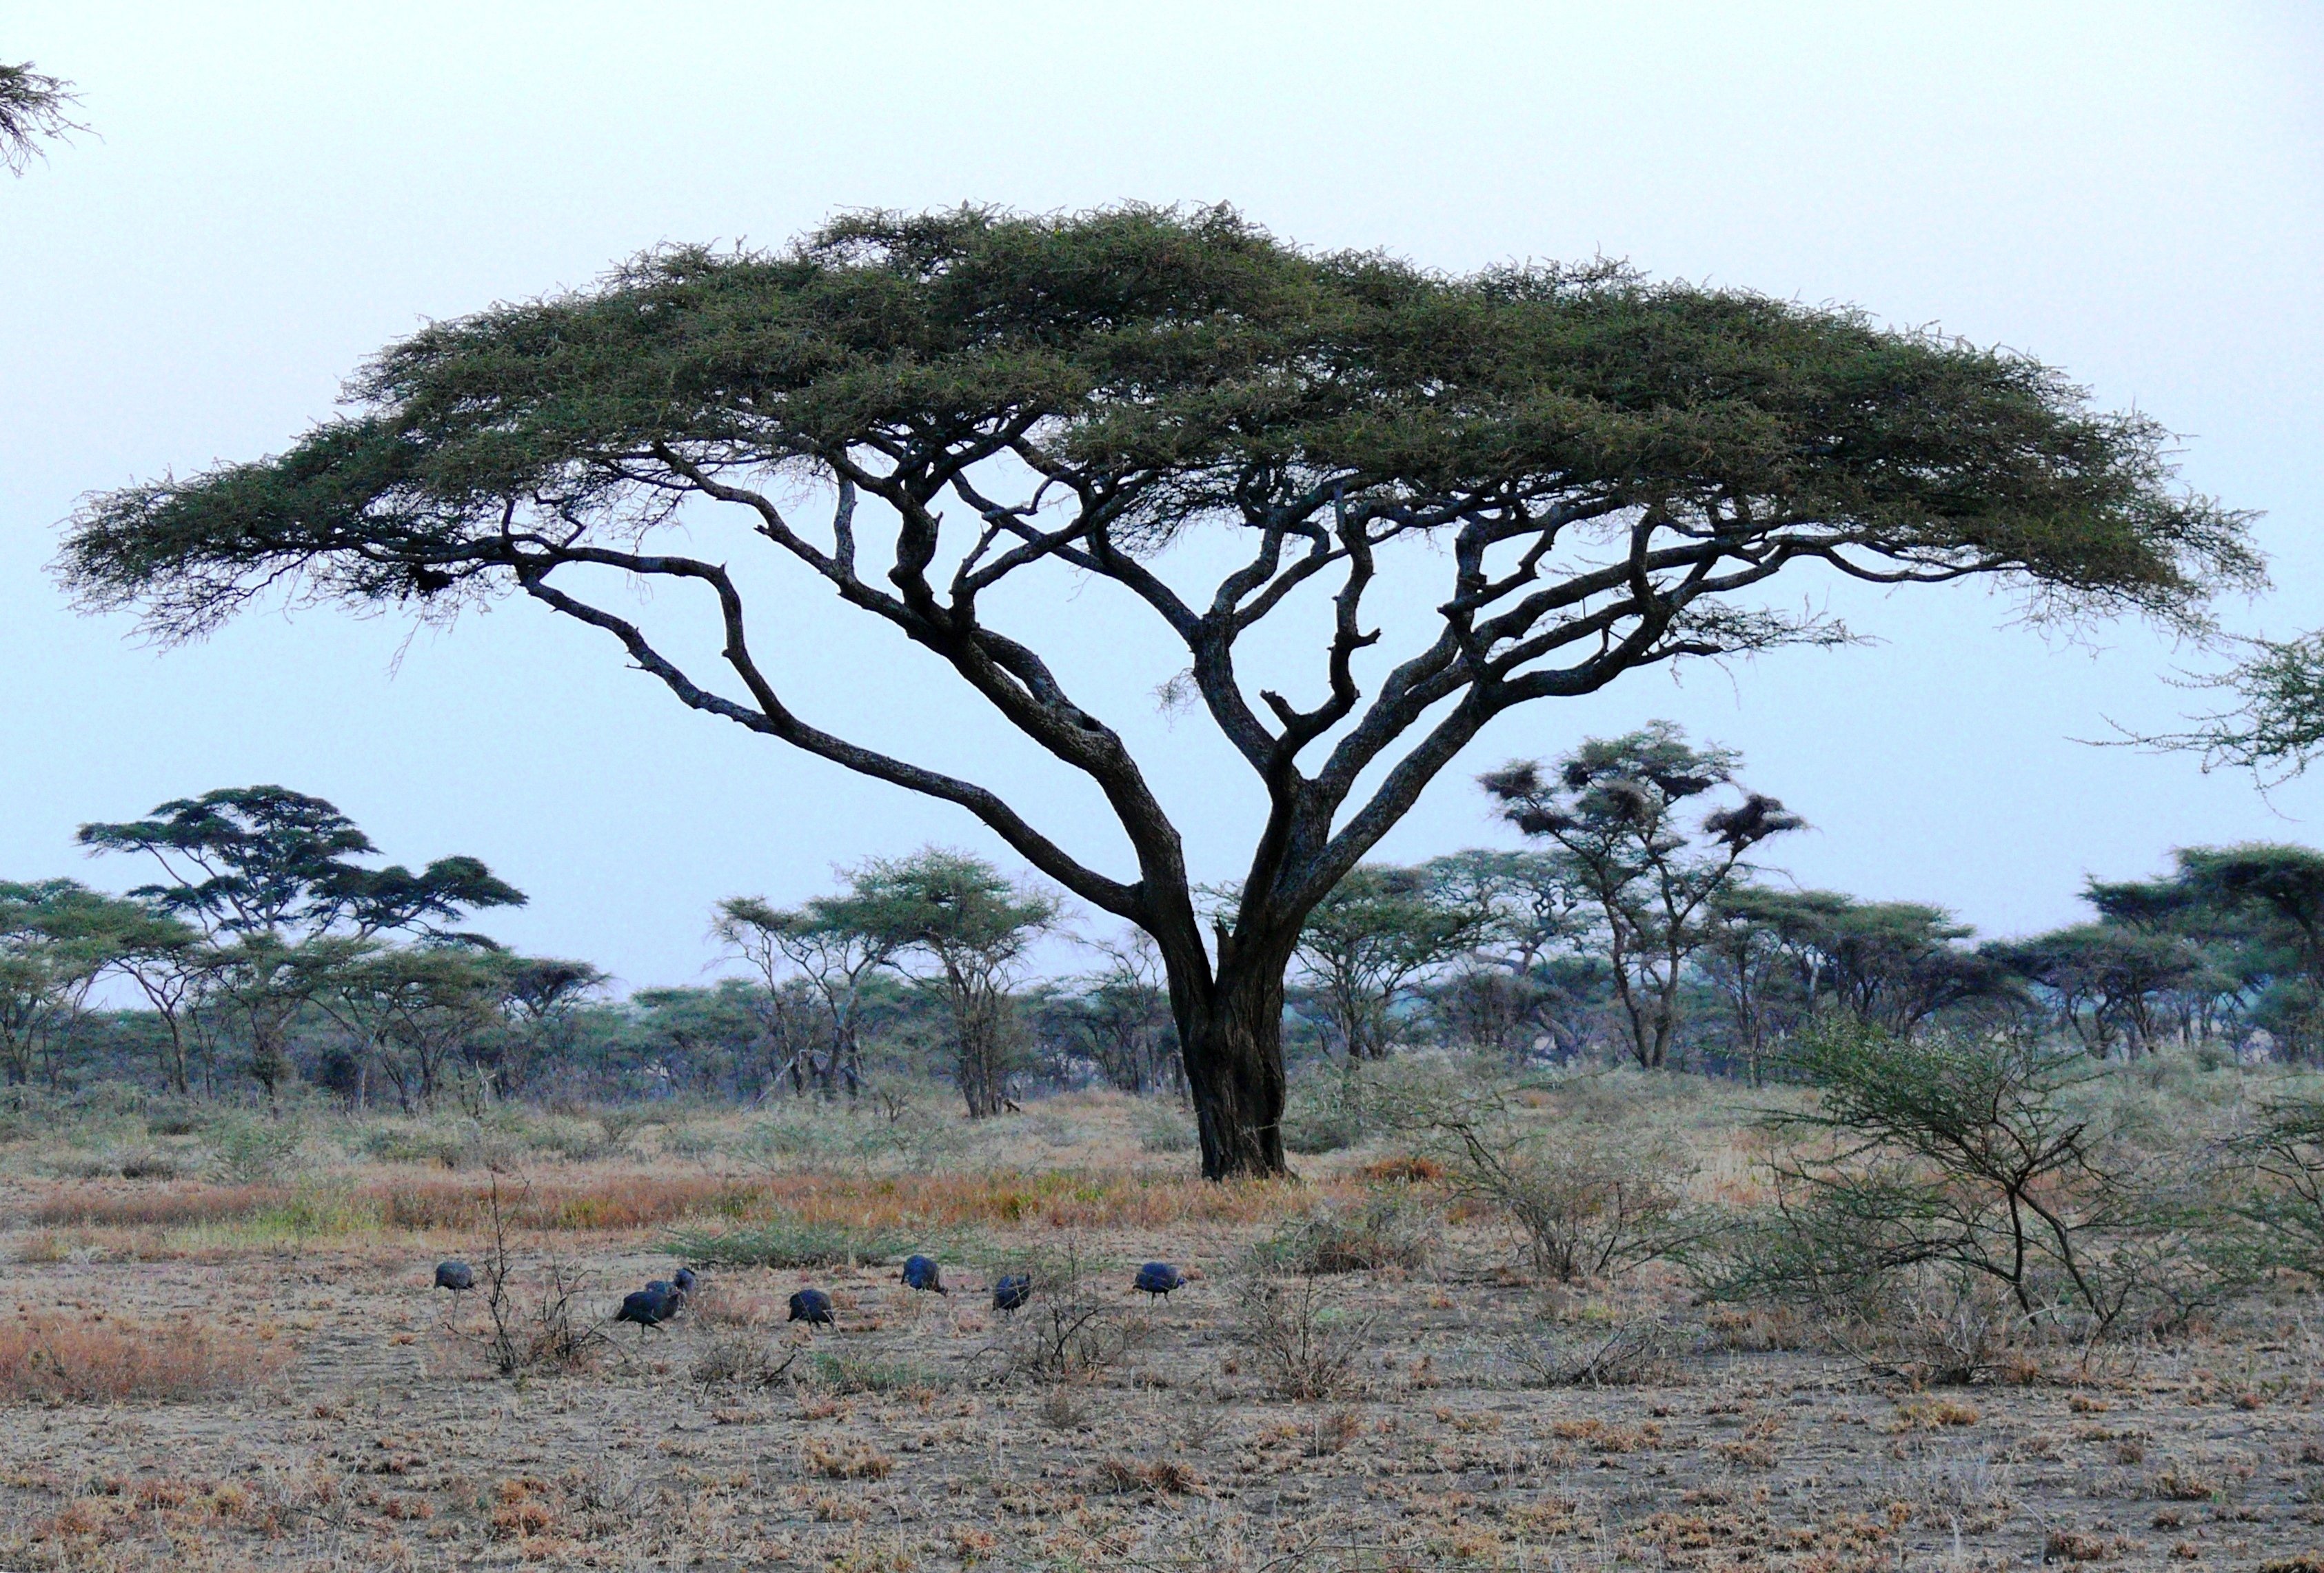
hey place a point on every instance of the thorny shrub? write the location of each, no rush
(1385, 1229)
(1076, 1326)
(1304, 1341)
(1591, 1198)
(1935, 1160)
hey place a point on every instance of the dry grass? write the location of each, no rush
(50, 1359)
(1450, 1411)
(621, 1200)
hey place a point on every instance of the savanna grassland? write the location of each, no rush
(223, 1351)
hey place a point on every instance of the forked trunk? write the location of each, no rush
(1231, 1033)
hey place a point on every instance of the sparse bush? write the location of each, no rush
(1383, 1230)
(1630, 1353)
(1306, 1342)
(2284, 1205)
(1591, 1198)
(1984, 1156)
(147, 1163)
(839, 1459)
(1074, 1328)
(539, 1330)
(47, 1359)
(729, 1357)
(250, 1149)
(1320, 1115)
(790, 1243)
(846, 1370)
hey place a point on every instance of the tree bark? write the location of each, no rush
(1231, 1033)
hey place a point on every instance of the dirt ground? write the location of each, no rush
(378, 1437)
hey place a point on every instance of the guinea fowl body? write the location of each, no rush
(648, 1308)
(1159, 1278)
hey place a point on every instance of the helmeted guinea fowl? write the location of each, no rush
(1011, 1292)
(813, 1307)
(920, 1273)
(1159, 1278)
(649, 1308)
(456, 1276)
(675, 1290)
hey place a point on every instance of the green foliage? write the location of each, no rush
(2285, 1147)
(251, 1148)
(1321, 1117)
(791, 1243)
(1991, 1156)
(1379, 930)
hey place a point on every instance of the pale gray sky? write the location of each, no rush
(2132, 193)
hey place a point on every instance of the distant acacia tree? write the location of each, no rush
(2108, 983)
(273, 878)
(1514, 989)
(1605, 472)
(1118, 1018)
(57, 939)
(968, 927)
(1381, 931)
(1615, 811)
(33, 109)
(538, 998)
(825, 944)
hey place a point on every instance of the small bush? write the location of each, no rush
(1590, 1197)
(44, 1359)
(249, 1151)
(1383, 1230)
(839, 1459)
(1305, 1342)
(1629, 1354)
(1319, 1116)
(728, 1357)
(1075, 1326)
(791, 1243)
(1935, 1162)
(845, 1371)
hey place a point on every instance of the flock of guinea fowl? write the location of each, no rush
(663, 1299)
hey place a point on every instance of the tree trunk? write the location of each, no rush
(1232, 1034)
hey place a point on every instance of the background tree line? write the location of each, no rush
(1637, 924)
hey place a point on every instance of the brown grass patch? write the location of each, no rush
(45, 1359)
(627, 1200)
(840, 1460)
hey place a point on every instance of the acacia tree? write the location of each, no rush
(1118, 1018)
(273, 878)
(1381, 932)
(970, 927)
(57, 939)
(1507, 995)
(1613, 812)
(1002, 411)
(824, 944)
